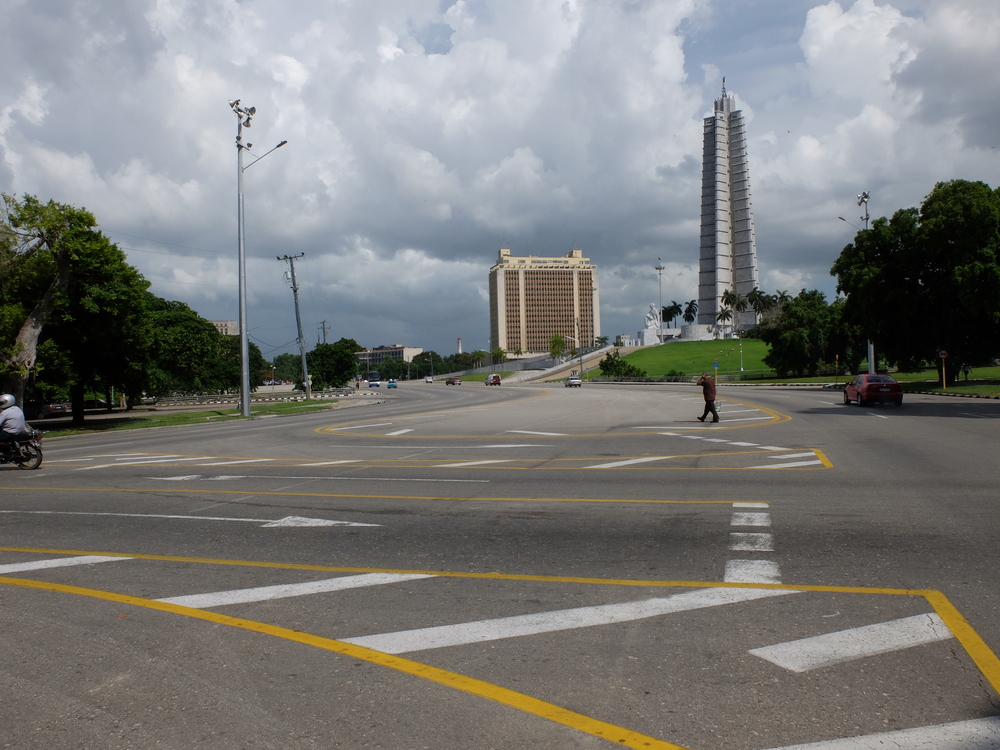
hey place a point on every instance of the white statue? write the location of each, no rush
(652, 317)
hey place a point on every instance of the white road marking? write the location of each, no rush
(331, 463)
(471, 463)
(399, 432)
(738, 411)
(547, 622)
(243, 461)
(628, 462)
(696, 437)
(711, 440)
(773, 448)
(789, 466)
(856, 643)
(532, 432)
(67, 460)
(795, 455)
(974, 734)
(748, 445)
(751, 519)
(140, 456)
(752, 571)
(327, 479)
(144, 462)
(287, 591)
(751, 505)
(59, 562)
(742, 419)
(514, 445)
(265, 522)
(358, 426)
(750, 541)
(873, 414)
(184, 478)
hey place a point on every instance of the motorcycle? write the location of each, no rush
(25, 451)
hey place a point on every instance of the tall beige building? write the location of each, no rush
(533, 298)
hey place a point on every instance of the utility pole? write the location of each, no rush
(863, 201)
(659, 315)
(322, 327)
(298, 321)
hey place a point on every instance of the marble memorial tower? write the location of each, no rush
(728, 257)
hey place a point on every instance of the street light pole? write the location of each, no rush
(659, 278)
(243, 116)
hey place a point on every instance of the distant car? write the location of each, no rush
(493, 379)
(453, 381)
(428, 379)
(574, 381)
(391, 383)
(866, 389)
(37, 410)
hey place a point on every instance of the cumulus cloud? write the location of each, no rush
(424, 134)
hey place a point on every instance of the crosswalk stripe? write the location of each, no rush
(472, 463)
(750, 541)
(399, 432)
(286, 591)
(752, 571)
(331, 463)
(784, 456)
(789, 466)
(974, 734)
(547, 622)
(242, 461)
(856, 643)
(628, 462)
(59, 562)
(750, 519)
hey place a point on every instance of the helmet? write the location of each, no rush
(6, 400)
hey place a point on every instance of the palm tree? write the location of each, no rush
(724, 315)
(673, 311)
(783, 296)
(691, 311)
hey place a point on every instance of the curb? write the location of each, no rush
(954, 395)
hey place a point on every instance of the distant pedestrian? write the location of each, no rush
(965, 371)
(707, 383)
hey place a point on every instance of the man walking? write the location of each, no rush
(707, 383)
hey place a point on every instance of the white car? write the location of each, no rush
(428, 379)
(573, 381)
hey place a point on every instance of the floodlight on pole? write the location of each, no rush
(243, 116)
(659, 277)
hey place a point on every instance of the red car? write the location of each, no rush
(453, 381)
(866, 389)
(493, 379)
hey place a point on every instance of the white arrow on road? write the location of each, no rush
(265, 522)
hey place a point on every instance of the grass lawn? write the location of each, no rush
(695, 357)
(142, 419)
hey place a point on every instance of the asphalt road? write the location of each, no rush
(513, 567)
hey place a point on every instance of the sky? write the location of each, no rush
(423, 135)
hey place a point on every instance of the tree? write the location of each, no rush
(498, 356)
(184, 347)
(724, 316)
(428, 363)
(674, 310)
(226, 371)
(333, 364)
(613, 366)
(557, 346)
(798, 336)
(930, 279)
(691, 311)
(601, 341)
(287, 367)
(42, 248)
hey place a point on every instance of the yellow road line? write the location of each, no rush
(479, 688)
(179, 490)
(973, 644)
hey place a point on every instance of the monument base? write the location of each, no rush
(697, 332)
(649, 337)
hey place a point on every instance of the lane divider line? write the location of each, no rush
(479, 688)
(60, 562)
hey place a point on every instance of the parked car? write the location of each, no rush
(38, 410)
(428, 379)
(391, 383)
(866, 389)
(493, 379)
(453, 381)
(573, 381)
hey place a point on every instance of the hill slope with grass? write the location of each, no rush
(692, 358)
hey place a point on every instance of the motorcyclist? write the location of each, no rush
(12, 423)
